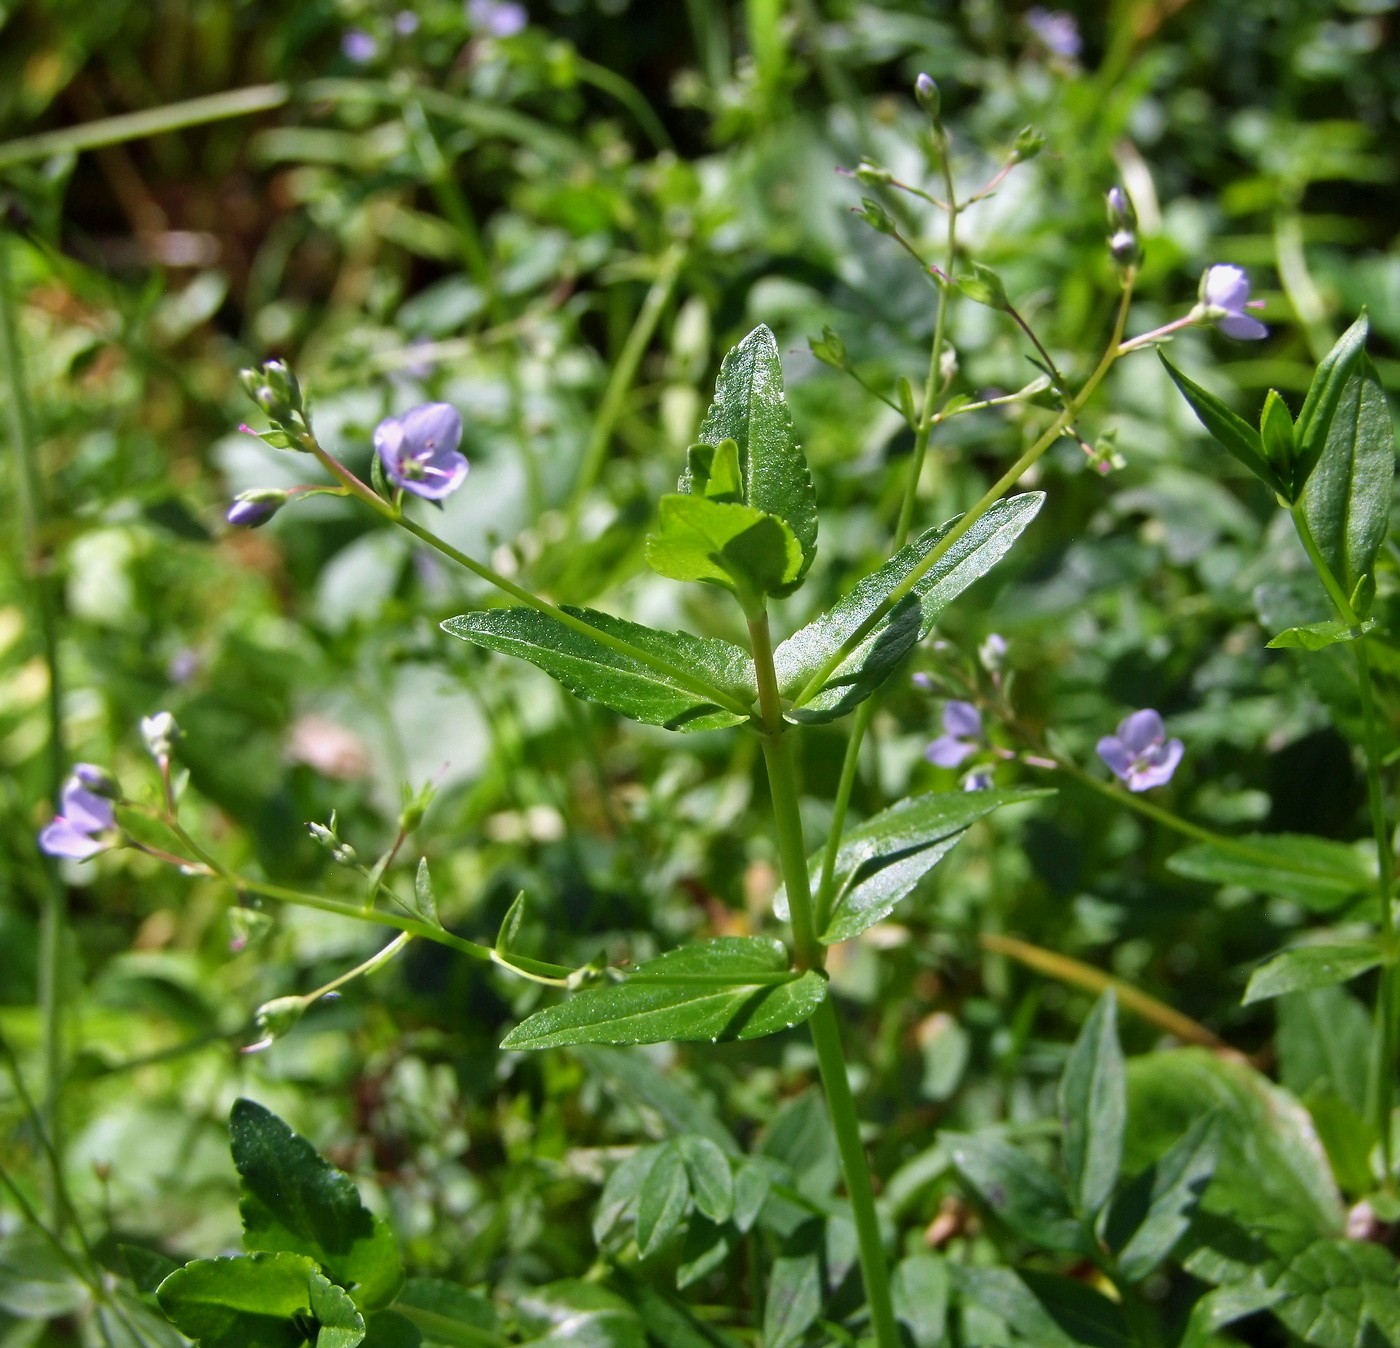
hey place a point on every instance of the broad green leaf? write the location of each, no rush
(620, 1193)
(1223, 1307)
(663, 1201)
(801, 1138)
(1316, 872)
(598, 673)
(1347, 498)
(881, 860)
(1094, 1108)
(1331, 1293)
(1230, 430)
(734, 987)
(1346, 1134)
(1320, 406)
(294, 1200)
(735, 546)
(249, 1301)
(1038, 1309)
(448, 1314)
(1311, 966)
(802, 655)
(681, 1107)
(576, 1313)
(1276, 434)
(669, 1321)
(391, 1329)
(339, 1323)
(794, 1295)
(1270, 1169)
(703, 1249)
(1017, 1188)
(35, 1281)
(751, 1185)
(711, 1179)
(919, 1287)
(1318, 636)
(750, 409)
(1152, 1214)
(1324, 1040)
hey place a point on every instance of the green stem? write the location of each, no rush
(826, 1036)
(631, 98)
(809, 953)
(34, 566)
(624, 372)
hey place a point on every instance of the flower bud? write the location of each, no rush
(876, 216)
(275, 389)
(926, 91)
(872, 174)
(255, 507)
(341, 852)
(1030, 141)
(1121, 214)
(160, 733)
(1124, 248)
(992, 652)
(275, 1019)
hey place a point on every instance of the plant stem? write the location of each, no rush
(35, 567)
(826, 1036)
(809, 953)
(624, 372)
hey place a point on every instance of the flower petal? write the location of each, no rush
(947, 752)
(388, 443)
(84, 809)
(1156, 769)
(962, 718)
(1244, 327)
(444, 476)
(1141, 731)
(432, 427)
(1227, 287)
(1113, 752)
(59, 838)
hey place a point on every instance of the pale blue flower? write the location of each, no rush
(1140, 753)
(86, 813)
(962, 726)
(419, 450)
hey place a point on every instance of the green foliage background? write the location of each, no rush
(488, 221)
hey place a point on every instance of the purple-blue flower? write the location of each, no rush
(86, 812)
(419, 450)
(405, 23)
(1225, 292)
(1056, 29)
(979, 779)
(497, 18)
(252, 508)
(962, 726)
(359, 47)
(1140, 754)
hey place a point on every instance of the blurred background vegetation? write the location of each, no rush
(557, 216)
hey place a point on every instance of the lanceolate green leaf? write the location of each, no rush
(1347, 498)
(663, 1200)
(1311, 966)
(1094, 1109)
(1153, 1212)
(1315, 420)
(595, 672)
(1230, 430)
(1316, 872)
(249, 1301)
(801, 657)
(735, 987)
(884, 858)
(750, 409)
(1017, 1188)
(293, 1200)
